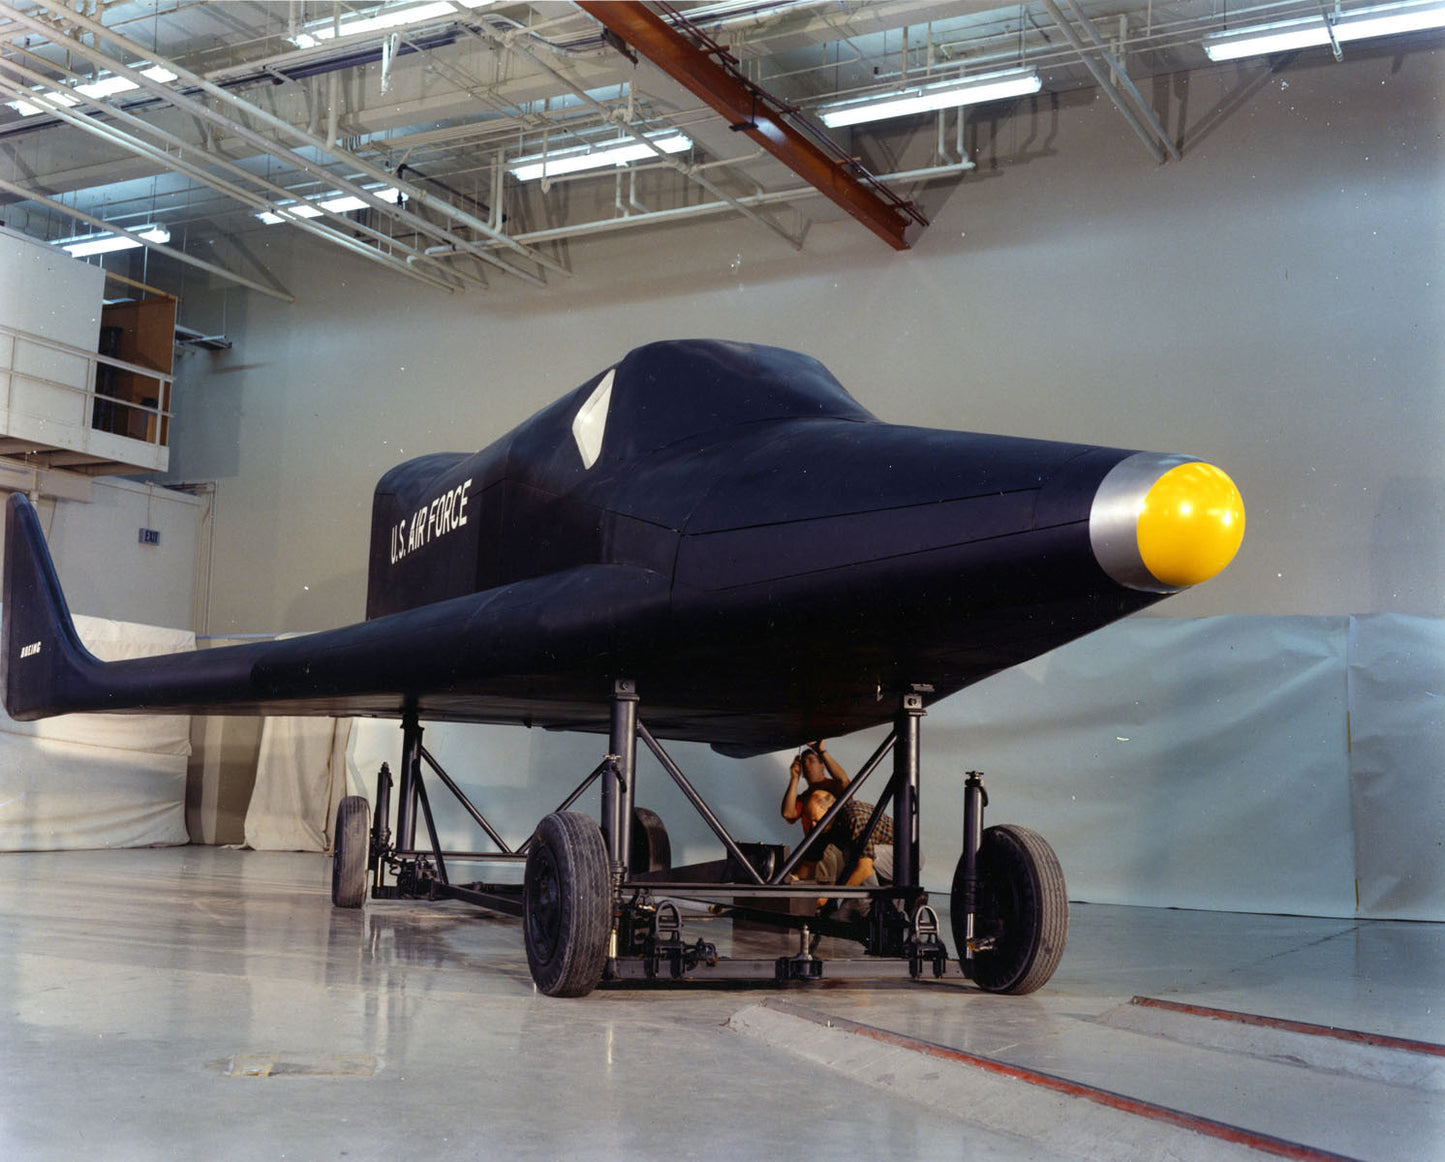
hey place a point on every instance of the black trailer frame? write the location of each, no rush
(1014, 906)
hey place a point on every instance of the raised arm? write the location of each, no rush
(837, 777)
(790, 809)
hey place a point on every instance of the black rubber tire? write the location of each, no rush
(1022, 903)
(351, 852)
(651, 848)
(567, 905)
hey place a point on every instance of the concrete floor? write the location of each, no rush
(205, 1003)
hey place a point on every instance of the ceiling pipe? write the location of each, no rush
(300, 63)
(760, 120)
(177, 164)
(160, 248)
(1117, 70)
(701, 210)
(253, 73)
(199, 109)
(1151, 138)
(668, 160)
(116, 137)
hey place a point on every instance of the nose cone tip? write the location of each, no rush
(1164, 523)
(1191, 525)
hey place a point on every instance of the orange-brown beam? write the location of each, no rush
(691, 67)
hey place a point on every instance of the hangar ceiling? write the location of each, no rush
(398, 131)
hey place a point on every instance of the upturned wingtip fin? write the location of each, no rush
(41, 655)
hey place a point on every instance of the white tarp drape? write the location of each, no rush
(98, 780)
(1397, 764)
(300, 780)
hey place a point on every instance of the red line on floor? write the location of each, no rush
(1221, 1131)
(1380, 1040)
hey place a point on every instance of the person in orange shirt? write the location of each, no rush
(816, 768)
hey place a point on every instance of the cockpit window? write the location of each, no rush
(590, 423)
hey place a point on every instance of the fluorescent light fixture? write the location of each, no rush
(105, 243)
(336, 202)
(107, 86)
(584, 157)
(383, 21)
(923, 98)
(291, 210)
(28, 109)
(1313, 31)
(349, 203)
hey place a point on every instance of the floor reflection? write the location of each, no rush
(132, 974)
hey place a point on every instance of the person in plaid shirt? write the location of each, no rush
(872, 865)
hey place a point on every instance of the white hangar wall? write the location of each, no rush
(1272, 302)
(105, 568)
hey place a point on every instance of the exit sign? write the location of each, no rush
(150, 536)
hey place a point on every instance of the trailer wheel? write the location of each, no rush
(1023, 908)
(651, 849)
(567, 905)
(350, 853)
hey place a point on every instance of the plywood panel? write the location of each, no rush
(143, 333)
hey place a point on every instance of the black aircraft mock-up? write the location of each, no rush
(709, 541)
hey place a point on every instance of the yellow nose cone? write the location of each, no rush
(1191, 525)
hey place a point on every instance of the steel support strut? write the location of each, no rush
(380, 830)
(410, 775)
(467, 805)
(975, 798)
(645, 940)
(699, 804)
(619, 785)
(905, 798)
